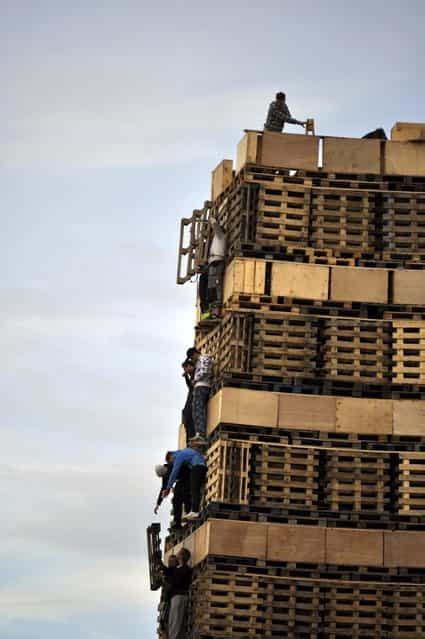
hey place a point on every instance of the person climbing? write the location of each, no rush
(278, 114)
(187, 417)
(164, 604)
(179, 580)
(202, 382)
(216, 257)
(181, 494)
(198, 470)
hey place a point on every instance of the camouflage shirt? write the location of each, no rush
(277, 116)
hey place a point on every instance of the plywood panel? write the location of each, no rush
(354, 547)
(181, 443)
(201, 542)
(296, 543)
(349, 155)
(409, 417)
(307, 412)
(289, 150)
(404, 548)
(359, 284)
(243, 406)
(238, 538)
(404, 131)
(300, 280)
(404, 158)
(409, 287)
(221, 178)
(371, 416)
(247, 148)
(246, 276)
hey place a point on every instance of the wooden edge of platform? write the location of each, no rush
(323, 413)
(305, 544)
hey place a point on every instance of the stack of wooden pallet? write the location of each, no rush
(314, 510)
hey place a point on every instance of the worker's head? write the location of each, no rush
(193, 354)
(281, 97)
(172, 561)
(183, 556)
(161, 470)
(188, 366)
(169, 457)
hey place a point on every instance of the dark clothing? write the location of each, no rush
(181, 496)
(377, 134)
(179, 579)
(203, 291)
(187, 418)
(197, 479)
(199, 409)
(277, 115)
(215, 283)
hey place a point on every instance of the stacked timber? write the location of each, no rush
(313, 514)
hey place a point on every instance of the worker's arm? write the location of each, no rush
(177, 464)
(204, 369)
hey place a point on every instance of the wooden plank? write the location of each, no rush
(409, 417)
(308, 281)
(349, 155)
(405, 131)
(289, 150)
(243, 406)
(296, 543)
(356, 284)
(244, 276)
(247, 149)
(221, 177)
(362, 415)
(404, 548)
(354, 547)
(181, 442)
(238, 538)
(307, 412)
(404, 158)
(409, 287)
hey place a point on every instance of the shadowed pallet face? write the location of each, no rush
(268, 210)
(271, 347)
(316, 479)
(229, 604)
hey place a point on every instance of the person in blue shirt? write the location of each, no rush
(198, 470)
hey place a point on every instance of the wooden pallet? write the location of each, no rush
(228, 604)
(409, 352)
(261, 474)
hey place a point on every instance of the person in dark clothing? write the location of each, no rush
(198, 470)
(278, 114)
(164, 604)
(181, 495)
(179, 579)
(187, 416)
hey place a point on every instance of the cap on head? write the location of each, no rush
(160, 470)
(280, 96)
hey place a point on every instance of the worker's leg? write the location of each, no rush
(203, 291)
(178, 503)
(187, 417)
(177, 617)
(187, 502)
(197, 479)
(199, 410)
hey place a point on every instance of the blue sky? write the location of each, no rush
(112, 117)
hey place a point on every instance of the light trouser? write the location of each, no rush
(199, 409)
(177, 617)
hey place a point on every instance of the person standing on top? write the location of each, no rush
(202, 382)
(198, 470)
(278, 114)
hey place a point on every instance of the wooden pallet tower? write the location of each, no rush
(313, 523)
